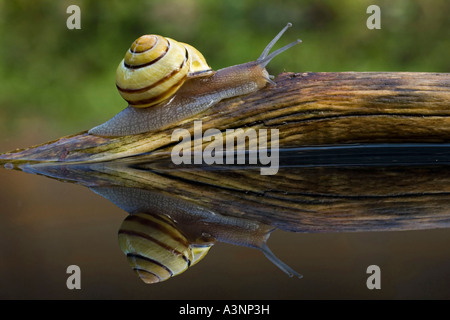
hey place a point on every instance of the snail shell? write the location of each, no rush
(155, 67)
(156, 249)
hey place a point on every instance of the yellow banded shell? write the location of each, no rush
(155, 67)
(155, 249)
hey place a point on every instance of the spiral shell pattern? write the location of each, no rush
(155, 249)
(155, 67)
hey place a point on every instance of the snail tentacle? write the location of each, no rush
(280, 264)
(274, 40)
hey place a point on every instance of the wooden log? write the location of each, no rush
(306, 108)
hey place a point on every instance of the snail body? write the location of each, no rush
(184, 87)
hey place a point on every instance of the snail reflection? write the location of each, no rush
(164, 236)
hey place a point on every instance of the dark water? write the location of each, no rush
(48, 225)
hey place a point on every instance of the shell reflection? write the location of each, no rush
(156, 249)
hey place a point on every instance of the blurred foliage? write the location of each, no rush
(67, 76)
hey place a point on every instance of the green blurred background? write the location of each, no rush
(66, 77)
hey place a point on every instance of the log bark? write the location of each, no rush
(306, 108)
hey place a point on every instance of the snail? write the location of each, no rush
(165, 81)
